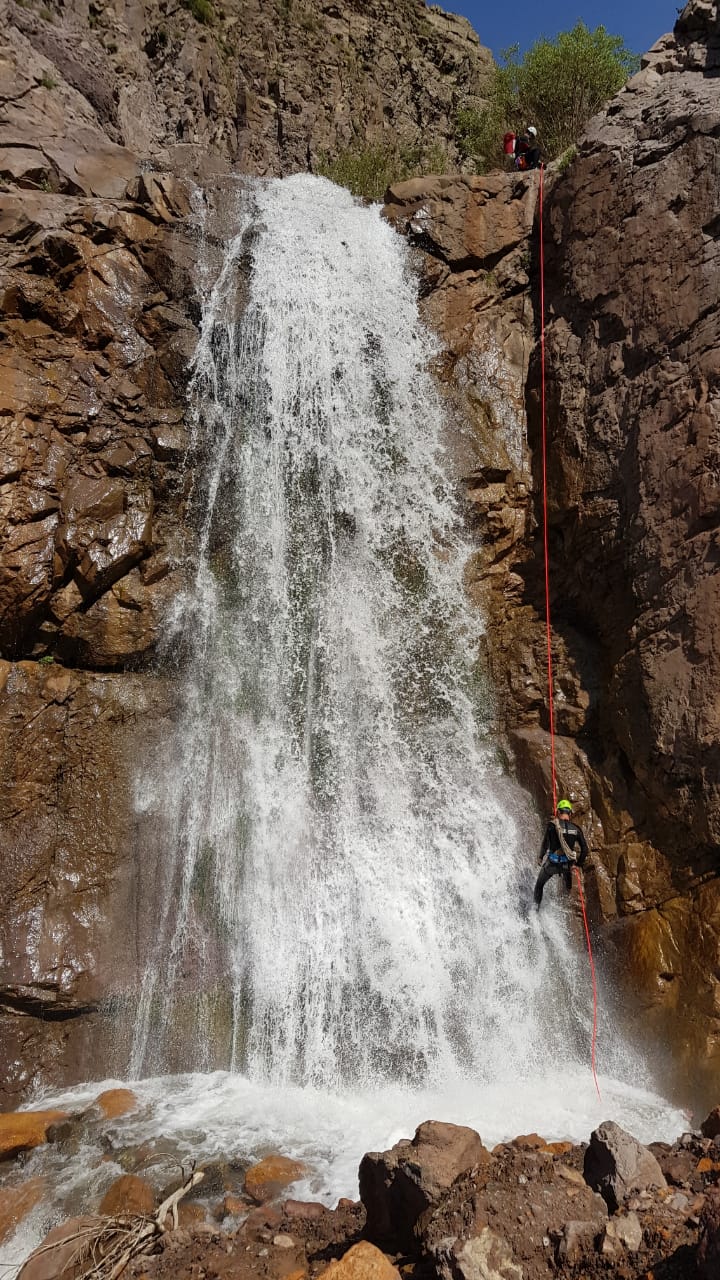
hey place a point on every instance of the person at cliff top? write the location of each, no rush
(527, 151)
(563, 847)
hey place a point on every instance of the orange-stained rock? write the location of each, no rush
(362, 1262)
(16, 1202)
(116, 1102)
(23, 1130)
(129, 1194)
(230, 1207)
(529, 1142)
(558, 1148)
(265, 1180)
(706, 1165)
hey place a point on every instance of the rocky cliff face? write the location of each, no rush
(101, 108)
(634, 409)
(95, 339)
(632, 344)
(264, 87)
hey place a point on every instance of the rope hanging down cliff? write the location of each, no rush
(548, 625)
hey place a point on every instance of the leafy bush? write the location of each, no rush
(369, 170)
(567, 158)
(201, 10)
(558, 86)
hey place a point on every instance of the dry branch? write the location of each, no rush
(106, 1245)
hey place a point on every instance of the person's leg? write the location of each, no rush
(567, 879)
(546, 871)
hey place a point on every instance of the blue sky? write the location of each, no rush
(639, 22)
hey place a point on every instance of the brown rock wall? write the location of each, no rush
(633, 341)
(634, 455)
(95, 334)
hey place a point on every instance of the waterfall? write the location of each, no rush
(343, 853)
(342, 870)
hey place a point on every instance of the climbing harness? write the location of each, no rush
(568, 853)
(548, 629)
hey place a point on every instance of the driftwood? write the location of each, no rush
(106, 1245)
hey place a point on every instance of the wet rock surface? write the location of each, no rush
(633, 449)
(633, 402)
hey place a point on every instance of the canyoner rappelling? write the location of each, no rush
(562, 806)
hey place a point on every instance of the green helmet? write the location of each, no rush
(564, 806)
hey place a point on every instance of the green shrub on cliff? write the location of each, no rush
(369, 170)
(557, 86)
(201, 10)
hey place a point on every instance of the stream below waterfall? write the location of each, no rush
(342, 945)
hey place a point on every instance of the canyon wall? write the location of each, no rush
(633, 346)
(634, 461)
(261, 86)
(108, 115)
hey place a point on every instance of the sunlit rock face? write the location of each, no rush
(632, 346)
(267, 88)
(634, 413)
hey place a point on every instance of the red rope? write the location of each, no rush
(548, 628)
(551, 691)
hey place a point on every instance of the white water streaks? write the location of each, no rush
(344, 870)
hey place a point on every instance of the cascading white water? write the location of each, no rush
(343, 870)
(346, 851)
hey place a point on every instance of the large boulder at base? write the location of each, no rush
(708, 1254)
(616, 1164)
(362, 1262)
(396, 1186)
(23, 1130)
(266, 1179)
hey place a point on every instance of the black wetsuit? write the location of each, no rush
(527, 147)
(554, 861)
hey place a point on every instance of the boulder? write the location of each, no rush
(577, 1240)
(485, 1256)
(362, 1262)
(23, 1130)
(265, 1180)
(397, 1186)
(616, 1165)
(116, 1102)
(128, 1194)
(710, 1127)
